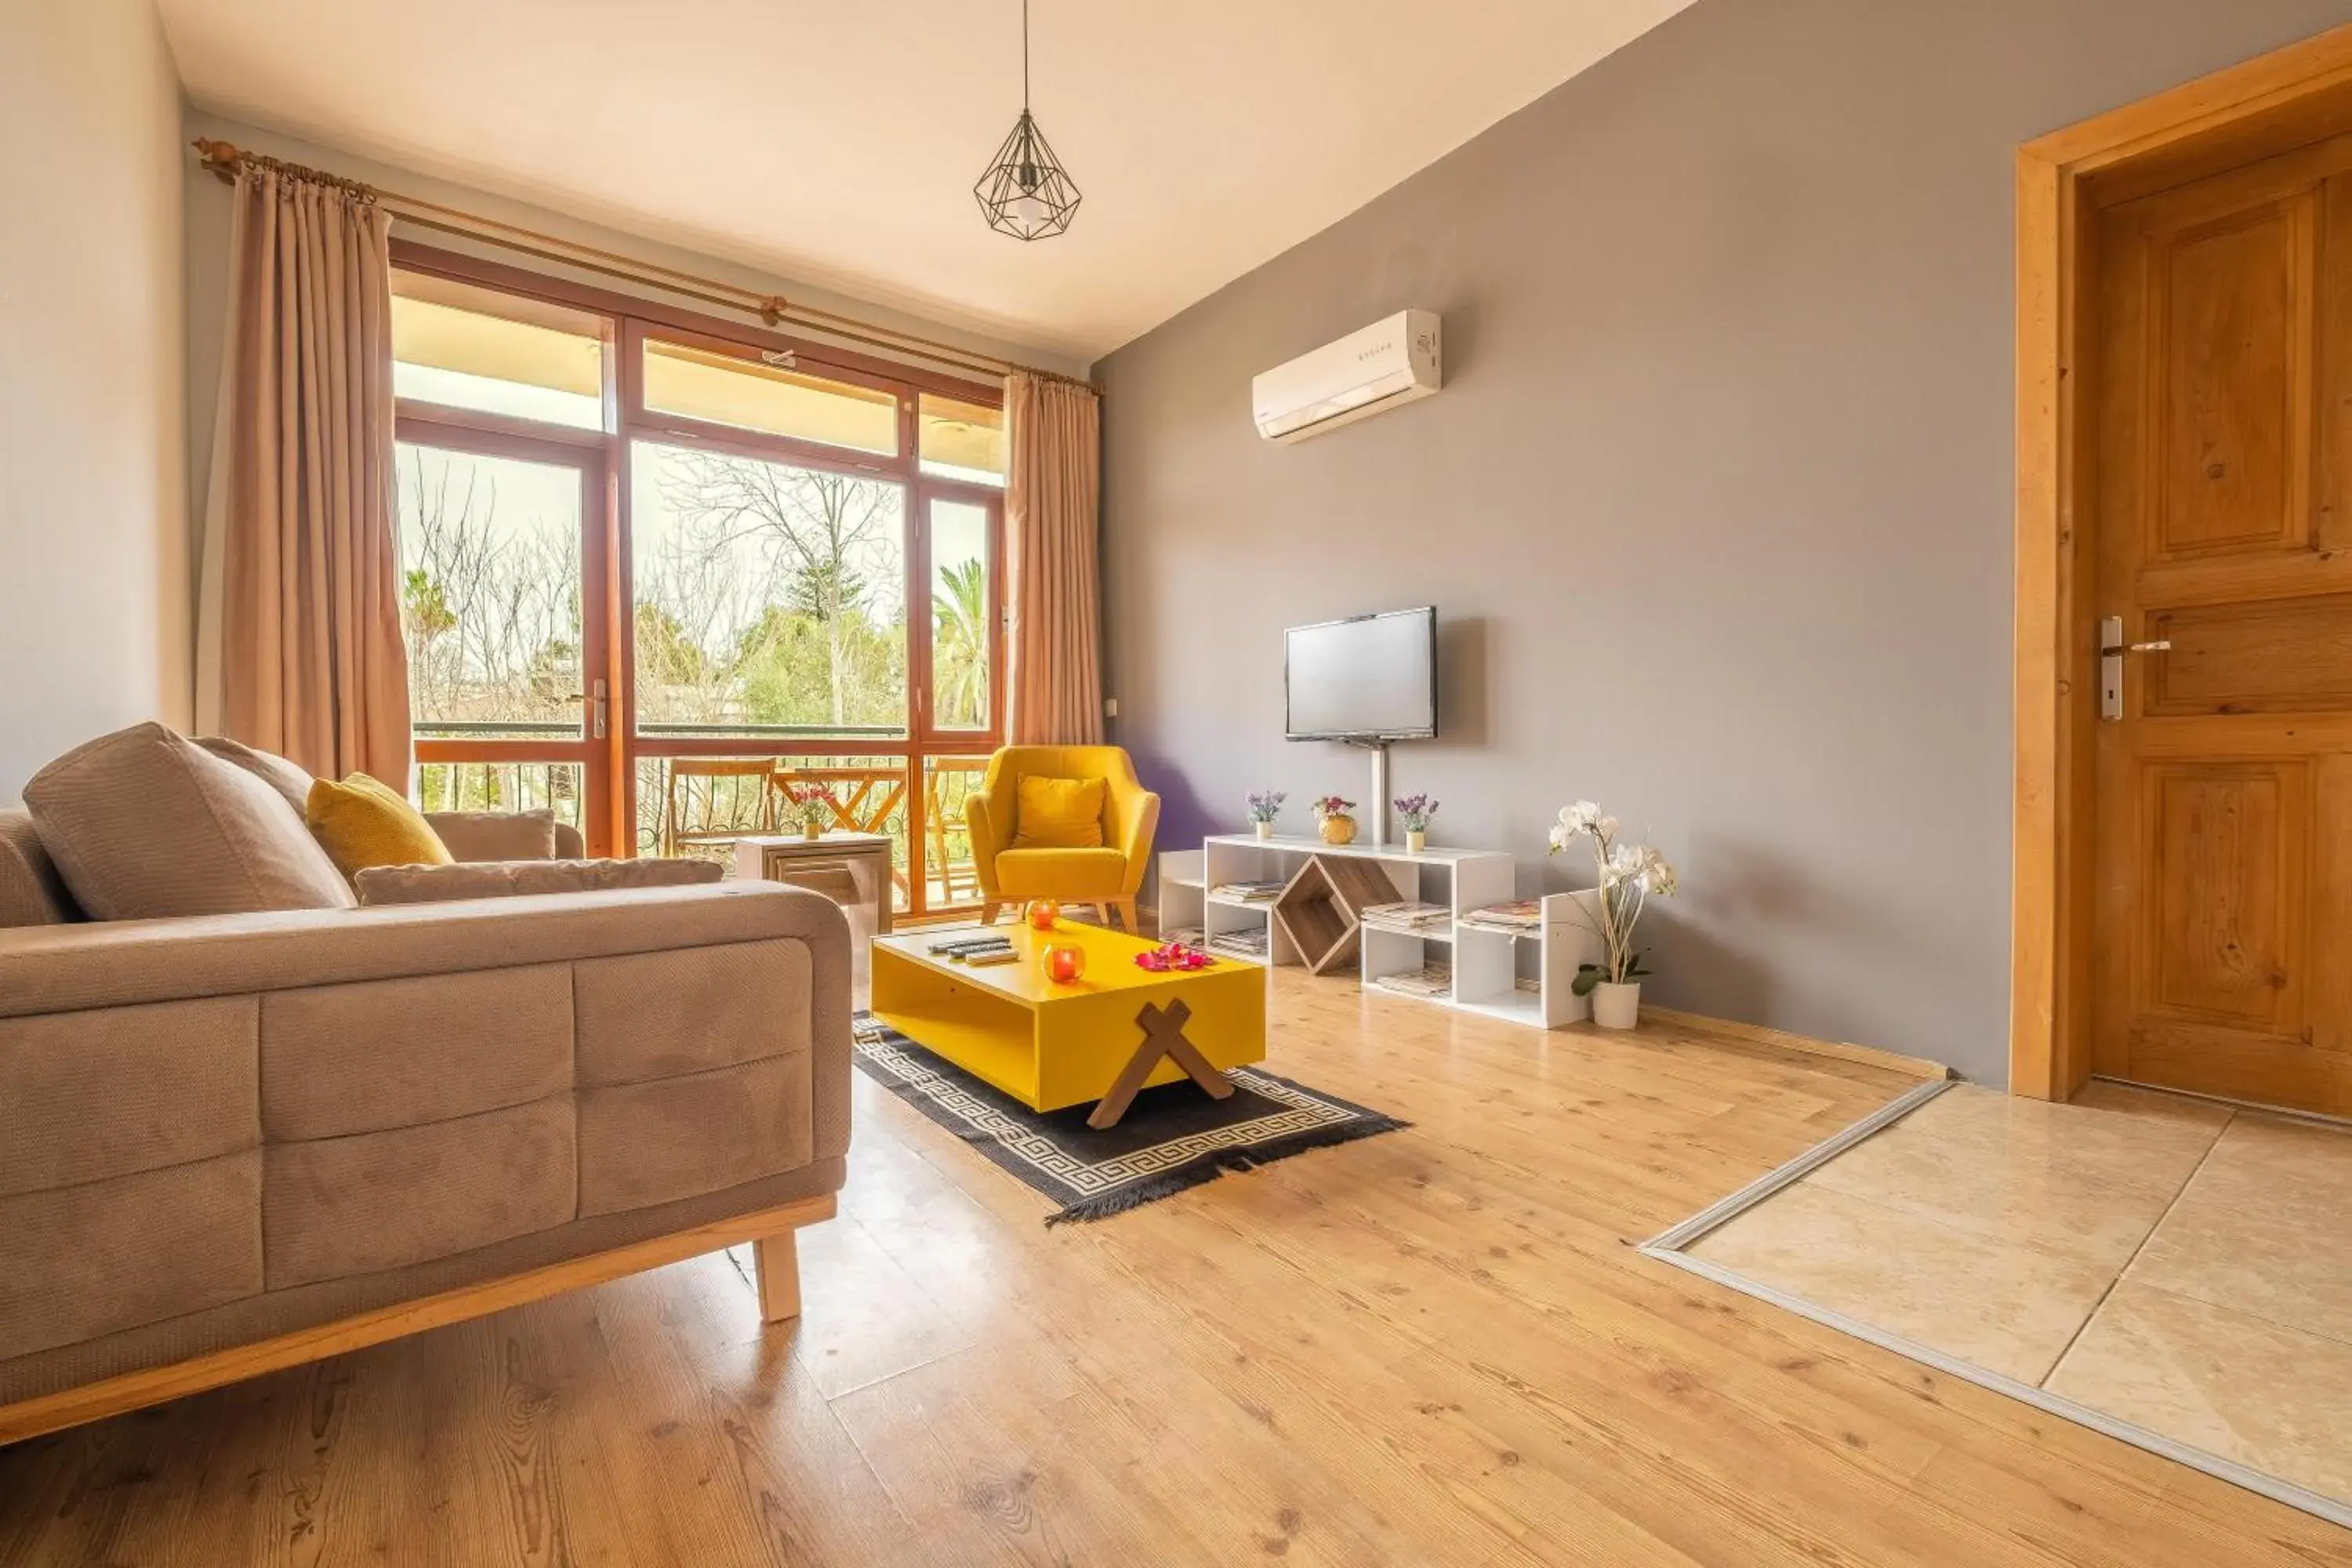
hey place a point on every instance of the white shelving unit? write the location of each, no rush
(1488, 967)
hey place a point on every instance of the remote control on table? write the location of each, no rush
(970, 945)
(982, 960)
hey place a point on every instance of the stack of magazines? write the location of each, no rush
(1188, 936)
(1413, 919)
(1250, 944)
(1430, 980)
(1526, 914)
(1249, 892)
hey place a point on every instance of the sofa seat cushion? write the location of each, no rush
(381, 885)
(88, 1096)
(341, 1059)
(81, 1261)
(146, 825)
(332, 1207)
(362, 823)
(647, 1144)
(1074, 874)
(657, 1014)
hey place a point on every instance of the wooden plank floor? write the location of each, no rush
(1433, 1347)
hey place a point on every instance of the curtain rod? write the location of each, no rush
(225, 160)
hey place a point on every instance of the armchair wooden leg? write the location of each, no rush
(778, 1262)
(1126, 908)
(989, 910)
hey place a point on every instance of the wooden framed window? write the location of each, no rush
(780, 563)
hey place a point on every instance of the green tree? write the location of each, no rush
(960, 645)
(835, 540)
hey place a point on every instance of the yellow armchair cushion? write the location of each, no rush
(1075, 875)
(361, 822)
(1058, 814)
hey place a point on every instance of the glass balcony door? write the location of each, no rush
(502, 565)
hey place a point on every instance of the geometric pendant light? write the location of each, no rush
(1027, 192)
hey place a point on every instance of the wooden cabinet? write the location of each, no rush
(853, 869)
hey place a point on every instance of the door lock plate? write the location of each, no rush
(2112, 649)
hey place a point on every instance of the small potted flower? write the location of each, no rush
(1415, 810)
(1264, 807)
(1628, 874)
(813, 806)
(1333, 821)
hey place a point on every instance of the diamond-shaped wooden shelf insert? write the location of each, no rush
(1321, 910)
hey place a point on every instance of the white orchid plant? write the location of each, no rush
(1628, 874)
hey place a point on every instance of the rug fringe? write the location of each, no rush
(1209, 1167)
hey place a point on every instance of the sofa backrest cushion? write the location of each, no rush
(496, 835)
(144, 824)
(526, 879)
(30, 892)
(289, 779)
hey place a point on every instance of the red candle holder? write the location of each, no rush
(1064, 963)
(1043, 913)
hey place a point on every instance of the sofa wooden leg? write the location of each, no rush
(778, 1264)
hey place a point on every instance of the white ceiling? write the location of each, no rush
(836, 144)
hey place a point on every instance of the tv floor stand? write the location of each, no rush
(1380, 801)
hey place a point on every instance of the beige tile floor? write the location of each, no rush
(2167, 1261)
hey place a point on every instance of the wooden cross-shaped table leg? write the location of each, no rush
(1164, 1036)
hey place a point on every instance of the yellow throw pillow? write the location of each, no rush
(361, 822)
(1059, 813)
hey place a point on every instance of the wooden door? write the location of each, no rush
(2223, 395)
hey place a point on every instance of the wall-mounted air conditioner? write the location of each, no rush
(1390, 362)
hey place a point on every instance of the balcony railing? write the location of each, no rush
(698, 806)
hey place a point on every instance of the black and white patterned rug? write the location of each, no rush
(1171, 1138)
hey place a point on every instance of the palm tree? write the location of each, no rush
(960, 645)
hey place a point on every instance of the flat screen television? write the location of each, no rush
(1368, 678)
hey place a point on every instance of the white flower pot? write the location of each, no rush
(1265, 830)
(1617, 1006)
(1415, 841)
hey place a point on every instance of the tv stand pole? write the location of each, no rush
(1380, 803)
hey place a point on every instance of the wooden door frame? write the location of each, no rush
(2263, 106)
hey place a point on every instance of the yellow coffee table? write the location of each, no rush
(1116, 1030)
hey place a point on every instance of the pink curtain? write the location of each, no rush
(302, 602)
(1052, 508)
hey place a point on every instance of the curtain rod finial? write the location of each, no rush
(221, 157)
(772, 308)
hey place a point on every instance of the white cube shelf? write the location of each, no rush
(1487, 965)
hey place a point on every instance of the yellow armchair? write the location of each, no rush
(1108, 878)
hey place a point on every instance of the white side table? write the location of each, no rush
(853, 869)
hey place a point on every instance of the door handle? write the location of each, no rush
(598, 714)
(2112, 648)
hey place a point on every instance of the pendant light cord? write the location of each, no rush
(1025, 56)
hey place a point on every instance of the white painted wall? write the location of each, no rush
(94, 540)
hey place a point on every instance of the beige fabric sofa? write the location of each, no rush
(236, 1141)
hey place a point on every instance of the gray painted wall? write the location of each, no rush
(1716, 506)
